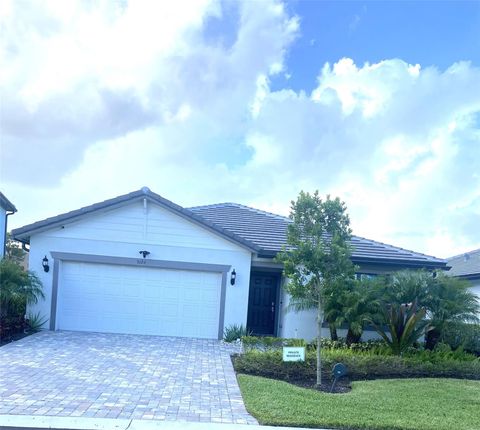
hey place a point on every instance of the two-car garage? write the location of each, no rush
(138, 300)
(138, 264)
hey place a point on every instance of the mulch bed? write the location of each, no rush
(13, 337)
(342, 386)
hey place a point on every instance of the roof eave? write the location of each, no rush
(469, 276)
(430, 264)
(7, 204)
(382, 261)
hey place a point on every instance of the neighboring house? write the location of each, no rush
(6, 209)
(467, 266)
(141, 264)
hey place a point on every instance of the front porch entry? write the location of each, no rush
(263, 303)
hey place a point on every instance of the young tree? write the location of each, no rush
(317, 259)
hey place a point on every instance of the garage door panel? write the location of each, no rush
(139, 300)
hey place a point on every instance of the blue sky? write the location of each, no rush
(429, 33)
(205, 101)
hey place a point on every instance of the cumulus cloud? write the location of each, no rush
(106, 99)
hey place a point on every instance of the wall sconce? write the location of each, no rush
(233, 276)
(45, 265)
(144, 253)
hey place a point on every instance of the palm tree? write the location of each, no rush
(449, 300)
(359, 304)
(444, 298)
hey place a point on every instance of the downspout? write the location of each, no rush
(7, 214)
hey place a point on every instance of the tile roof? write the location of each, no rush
(465, 265)
(261, 232)
(269, 232)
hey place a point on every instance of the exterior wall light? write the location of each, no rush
(144, 253)
(233, 276)
(45, 265)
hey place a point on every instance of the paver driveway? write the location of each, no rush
(120, 376)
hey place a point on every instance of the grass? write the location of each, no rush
(406, 404)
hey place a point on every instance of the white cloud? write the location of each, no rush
(104, 98)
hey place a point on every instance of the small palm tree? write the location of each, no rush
(17, 289)
(359, 304)
(449, 300)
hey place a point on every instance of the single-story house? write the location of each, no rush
(6, 209)
(467, 266)
(139, 263)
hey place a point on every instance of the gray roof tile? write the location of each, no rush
(269, 232)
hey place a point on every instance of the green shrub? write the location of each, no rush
(369, 345)
(361, 365)
(35, 322)
(234, 332)
(466, 336)
(269, 343)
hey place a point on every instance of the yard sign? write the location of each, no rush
(293, 354)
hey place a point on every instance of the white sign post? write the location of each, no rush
(293, 353)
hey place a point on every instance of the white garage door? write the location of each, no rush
(139, 300)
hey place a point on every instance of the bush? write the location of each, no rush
(369, 345)
(268, 343)
(234, 332)
(11, 326)
(463, 335)
(361, 365)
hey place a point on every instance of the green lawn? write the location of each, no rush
(413, 404)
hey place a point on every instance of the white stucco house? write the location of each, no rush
(6, 209)
(141, 264)
(467, 266)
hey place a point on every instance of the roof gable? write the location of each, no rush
(23, 233)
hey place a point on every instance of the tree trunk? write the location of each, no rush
(431, 339)
(319, 343)
(352, 337)
(333, 331)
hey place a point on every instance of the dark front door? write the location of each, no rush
(262, 303)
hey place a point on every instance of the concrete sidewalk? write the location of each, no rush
(26, 422)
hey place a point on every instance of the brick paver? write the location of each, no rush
(120, 376)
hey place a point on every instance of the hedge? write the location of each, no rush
(361, 366)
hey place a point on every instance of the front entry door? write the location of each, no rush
(262, 304)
